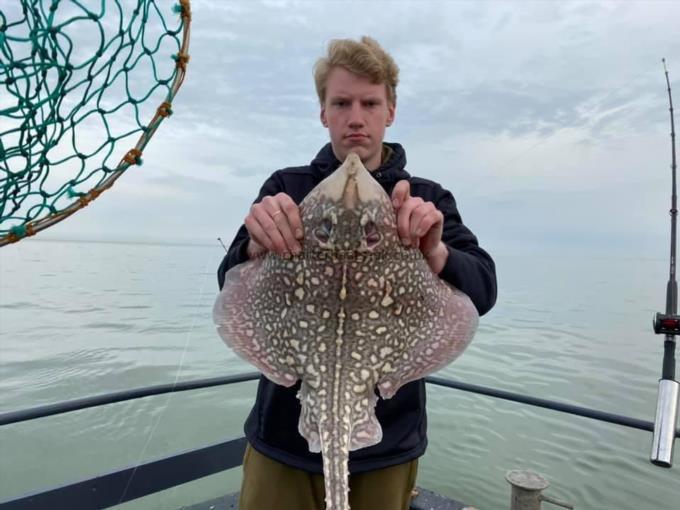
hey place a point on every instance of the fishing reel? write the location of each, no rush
(666, 324)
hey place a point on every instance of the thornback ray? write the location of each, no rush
(355, 314)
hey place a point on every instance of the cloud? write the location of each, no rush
(502, 102)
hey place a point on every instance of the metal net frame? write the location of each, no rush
(78, 79)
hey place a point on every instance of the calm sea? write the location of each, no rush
(81, 319)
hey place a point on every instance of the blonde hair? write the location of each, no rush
(364, 58)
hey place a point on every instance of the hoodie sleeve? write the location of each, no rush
(236, 254)
(468, 267)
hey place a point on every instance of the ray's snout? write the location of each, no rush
(350, 193)
(351, 169)
(351, 185)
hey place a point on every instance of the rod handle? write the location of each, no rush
(664, 423)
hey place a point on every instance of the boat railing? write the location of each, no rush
(133, 482)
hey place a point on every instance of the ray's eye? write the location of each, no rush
(371, 234)
(323, 231)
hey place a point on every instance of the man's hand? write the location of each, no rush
(274, 225)
(420, 225)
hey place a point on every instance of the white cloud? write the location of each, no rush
(500, 101)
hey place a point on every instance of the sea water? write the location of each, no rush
(85, 318)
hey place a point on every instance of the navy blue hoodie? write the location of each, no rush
(272, 426)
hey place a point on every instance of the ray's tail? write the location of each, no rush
(335, 453)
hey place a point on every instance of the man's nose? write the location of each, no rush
(356, 115)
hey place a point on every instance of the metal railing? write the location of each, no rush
(121, 396)
(133, 482)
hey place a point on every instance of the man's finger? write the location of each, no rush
(271, 230)
(430, 231)
(278, 217)
(423, 219)
(401, 193)
(417, 216)
(256, 233)
(280, 209)
(292, 212)
(281, 221)
(404, 219)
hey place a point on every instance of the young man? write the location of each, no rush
(356, 83)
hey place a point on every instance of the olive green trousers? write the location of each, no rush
(270, 485)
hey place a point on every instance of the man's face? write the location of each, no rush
(356, 113)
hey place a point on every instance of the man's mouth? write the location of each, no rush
(356, 137)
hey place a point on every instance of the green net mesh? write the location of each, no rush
(83, 87)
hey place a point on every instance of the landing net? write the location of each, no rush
(84, 86)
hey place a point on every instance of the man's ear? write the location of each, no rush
(322, 116)
(391, 113)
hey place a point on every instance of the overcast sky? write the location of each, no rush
(547, 120)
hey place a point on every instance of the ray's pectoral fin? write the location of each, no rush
(234, 314)
(438, 340)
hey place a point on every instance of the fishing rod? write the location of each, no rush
(668, 324)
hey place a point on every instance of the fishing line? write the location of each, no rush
(209, 264)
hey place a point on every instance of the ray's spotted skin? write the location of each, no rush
(355, 311)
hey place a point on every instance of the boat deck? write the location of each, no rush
(425, 500)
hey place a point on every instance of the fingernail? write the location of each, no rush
(296, 250)
(395, 202)
(298, 233)
(407, 242)
(286, 255)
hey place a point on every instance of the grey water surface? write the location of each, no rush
(85, 318)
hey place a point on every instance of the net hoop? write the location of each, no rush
(131, 157)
